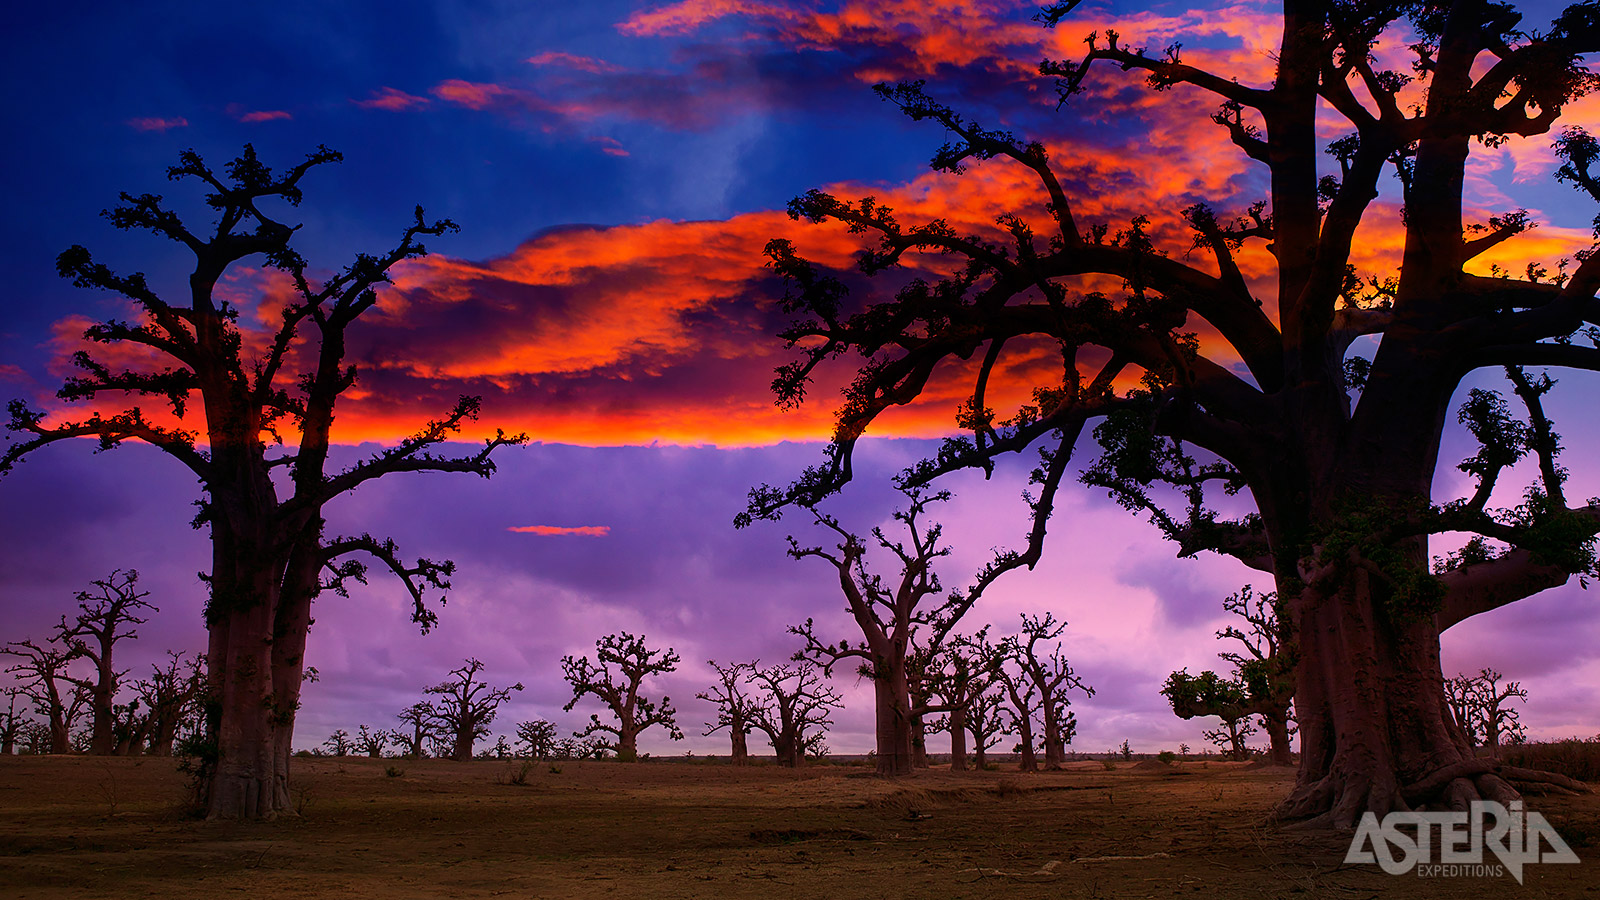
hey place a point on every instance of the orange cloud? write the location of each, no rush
(583, 530)
(268, 115)
(392, 99)
(569, 61)
(152, 123)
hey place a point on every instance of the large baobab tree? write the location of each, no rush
(106, 615)
(1263, 676)
(465, 707)
(794, 700)
(733, 706)
(625, 661)
(1201, 373)
(890, 616)
(257, 393)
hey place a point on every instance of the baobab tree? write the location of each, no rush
(889, 617)
(794, 700)
(42, 678)
(1481, 705)
(537, 738)
(1337, 451)
(733, 706)
(1263, 676)
(624, 662)
(419, 721)
(986, 724)
(465, 707)
(257, 393)
(11, 723)
(1231, 736)
(172, 695)
(1052, 677)
(1022, 695)
(952, 679)
(106, 615)
(371, 742)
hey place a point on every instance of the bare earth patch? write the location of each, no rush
(89, 828)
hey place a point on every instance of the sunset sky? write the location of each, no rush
(616, 167)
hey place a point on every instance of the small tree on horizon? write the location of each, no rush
(465, 707)
(733, 706)
(624, 662)
(418, 721)
(537, 738)
(794, 700)
(1481, 705)
(41, 677)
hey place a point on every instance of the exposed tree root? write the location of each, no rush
(1327, 805)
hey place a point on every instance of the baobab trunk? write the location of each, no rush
(627, 744)
(1055, 752)
(895, 755)
(741, 747)
(251, 780)
(1277, 725)
(1372, 711)
(958, 738)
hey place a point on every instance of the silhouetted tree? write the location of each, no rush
(465, 707)
(956, 675)
(624, 663)
(889, 617)
(42, 678)
(339, 743)
(370, 742)
(105, 616)
(733, 708)
(11, 723)
(269, 553)
(419, 721)
(1480, 705)
(794, 700)
(1052, 677)
(538, 738)
(1231, 737)
(986, 724)
(1338, 452)
(1023, 695)
(172, 694)
(1263, 676)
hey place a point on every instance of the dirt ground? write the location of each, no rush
(81, 827)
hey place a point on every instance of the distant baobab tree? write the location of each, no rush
(270, 558)
(419, 721)
(952, 679)
(733, 706)
(339, 743)
(465, 707)
(1263, 676)
(41, 676)
(371, 742)
(172, 696)
(11, 722)
(106, 615)
(624, 662)
(1481, 704)
(889, 616)
(1052, 677)
(986, 724)
(1335, 444)
(793, 709)
(537, 738)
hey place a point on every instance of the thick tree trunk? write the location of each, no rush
(102, 734)
(1055, 750)
(958, 739)
(1277, 726)
(1372, 710)
(740, 753)
(251, 780)
(628, 744)
(1030, 761)
(919, 742)
(895, 755)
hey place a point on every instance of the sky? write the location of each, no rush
(616, 167)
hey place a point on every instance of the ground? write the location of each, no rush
(83, 827)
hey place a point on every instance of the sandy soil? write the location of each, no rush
(89, 828)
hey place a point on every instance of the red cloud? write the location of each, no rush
(392, 99)
(152, 123)
(569, 61)
(583, 530)
(265, 115)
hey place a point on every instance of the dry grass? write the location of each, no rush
(79, 828)
(1572, 757)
